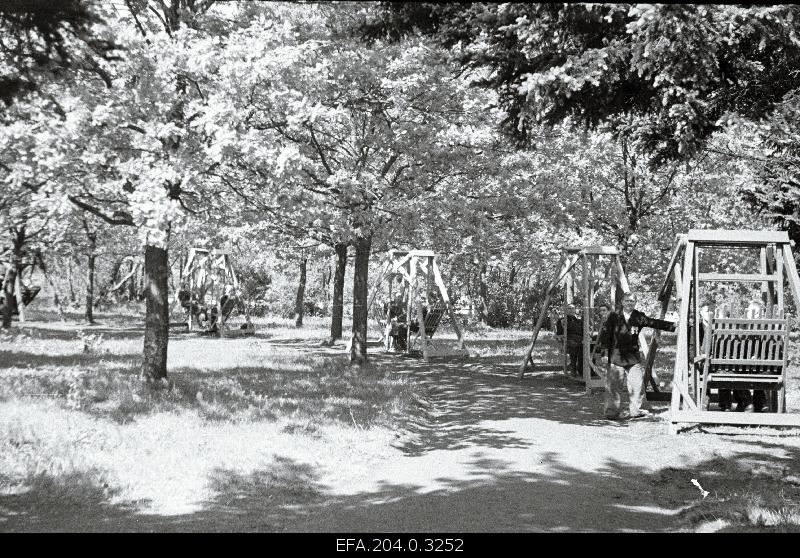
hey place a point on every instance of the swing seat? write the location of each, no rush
(435, 350)
(746, 354)
(245, 330)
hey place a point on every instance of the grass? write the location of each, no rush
(81, 435)
(77, 423)
(754, 508)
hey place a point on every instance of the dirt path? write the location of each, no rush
(494, 453)
(483, 451)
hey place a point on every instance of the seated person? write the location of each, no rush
(227, 302)
(395, 321)
(188, 303)
(213, 319)
(574, 327)
(746, 401)
(598, 348)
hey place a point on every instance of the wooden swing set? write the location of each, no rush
(210, 276)
(589, 260)
(417, 271)
(740, 351)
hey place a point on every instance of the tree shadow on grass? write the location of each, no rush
(70, 332)
(17, 359)
(490, 497)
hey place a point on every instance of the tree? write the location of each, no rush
(42, 39)
(326, 136)
(130, 158)
(662, 75)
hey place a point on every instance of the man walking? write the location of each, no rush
(620, 334)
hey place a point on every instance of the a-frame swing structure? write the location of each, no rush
(738, 351)
(600, 267)
(208, 272)
(418, 273)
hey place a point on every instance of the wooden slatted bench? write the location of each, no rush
(432, 319)
(746, 354)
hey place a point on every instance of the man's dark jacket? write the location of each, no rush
(574, 327)
(623, 337)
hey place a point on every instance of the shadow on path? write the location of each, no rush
(289, 496)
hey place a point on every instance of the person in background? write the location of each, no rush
(598, 348)
(395, 315)
(574, 327)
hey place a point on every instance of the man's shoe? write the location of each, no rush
(764, 409)
(750, 408)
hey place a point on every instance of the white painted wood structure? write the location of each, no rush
(777, 267)
(589, 260)
(208, 272)
(419, 273)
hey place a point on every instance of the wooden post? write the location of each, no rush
(564, 267)
(764, 284)
(623, 281)
(437, 277)
(791, 269)
(587, 325)
(695, 315)
(779, 288)
(679, 380)
(651, 350)
(423, 340)
(412, 273)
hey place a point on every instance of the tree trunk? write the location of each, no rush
(358, 348)
(156, 325)
(56, 298)
(90, 288)
(337, 310)
(8, 294)
(301, 293)
(483, 292)
(132, 282)
(72, 298)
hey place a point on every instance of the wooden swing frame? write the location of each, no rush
(414, 266)
(199, 264)
(776, 266)
(588, 259)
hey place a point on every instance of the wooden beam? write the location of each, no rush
(623, 281)
(679, 377)
(791, 273)
(598, 250)
(677, 271)
(562, 268)
(752, 419)
(762, 261)
(780, 271)
(437, 278)
(422, 337)
(742, 277)
(737, 237)
(587, 324)
(412, 295)
(696, 320)
(677, 251)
